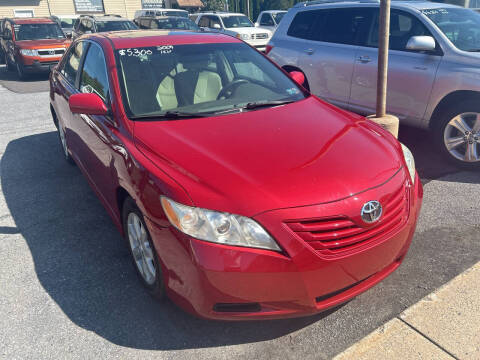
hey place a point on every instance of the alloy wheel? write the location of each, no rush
(462, 137)
(141, 250)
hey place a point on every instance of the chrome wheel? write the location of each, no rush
(61, 134)
(141, 249)
(462, 137)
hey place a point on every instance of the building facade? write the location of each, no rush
(126, 8)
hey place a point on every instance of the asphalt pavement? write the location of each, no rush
(69, 290)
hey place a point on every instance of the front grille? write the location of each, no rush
(259, 36)
(51, 52)
(337, 234)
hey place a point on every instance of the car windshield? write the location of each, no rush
(38, 32)
(278, 16)
(115, 25)
(172, 13)
(177, 24)
(66, 23)
(460, 26)
(236, 21)
(200, 78)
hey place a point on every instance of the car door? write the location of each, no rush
(65, 84)
(329, 50)
(95, 132)
(410, 73)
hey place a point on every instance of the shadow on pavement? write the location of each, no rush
(81, 260)
(33, 83)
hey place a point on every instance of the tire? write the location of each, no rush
(2, 57)
(64, 145)
(22, 75)
(459, 127)
(9, 66)
(143, 254)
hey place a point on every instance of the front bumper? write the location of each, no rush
(37, 64)
(232, 283)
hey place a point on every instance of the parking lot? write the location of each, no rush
(69, 290)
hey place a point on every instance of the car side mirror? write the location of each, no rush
(421, 43)
(217, 26)
(298, 77)
(257, 24)
(89, 104)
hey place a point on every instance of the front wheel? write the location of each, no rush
(63, 143)
(457, 134)
(21, 71)
(145, 259)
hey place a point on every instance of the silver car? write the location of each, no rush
(434, 73)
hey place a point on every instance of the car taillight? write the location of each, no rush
(268, 48)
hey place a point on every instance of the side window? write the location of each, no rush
(214, 20)
(266, 20)
(204, 22)
(402, 27)
(94, 75)
(71, 64)
(302, 24)
(342, 26)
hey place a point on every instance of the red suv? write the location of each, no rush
(32, 44)
(240, 195)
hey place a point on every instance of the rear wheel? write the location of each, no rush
(457, 134)
(141, 247)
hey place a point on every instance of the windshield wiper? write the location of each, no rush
(259, 104)
(170, 115)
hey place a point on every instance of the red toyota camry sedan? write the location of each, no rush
(240, 195)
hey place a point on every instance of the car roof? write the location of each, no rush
(20, 21)
(414, 4)
(148, 38)
(219, 13)
(164, 17)
(274, 11)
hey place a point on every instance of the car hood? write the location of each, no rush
(42, 44)
(248, 30)
(298, 154)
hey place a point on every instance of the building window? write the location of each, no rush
(23, 13)
(89, 6)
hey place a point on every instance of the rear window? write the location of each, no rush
(116, 25)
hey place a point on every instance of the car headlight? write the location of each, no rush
(243, 36)
(218, 227)
(407, 154)
(29, 52)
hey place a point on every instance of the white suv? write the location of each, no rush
(237, 25)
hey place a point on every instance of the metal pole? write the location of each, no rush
(248, 9)
(383, 39)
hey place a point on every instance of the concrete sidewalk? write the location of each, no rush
(443, 325)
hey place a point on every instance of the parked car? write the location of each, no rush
(433, 65)
(88, 24)
(240, 195)
(166, 23)
(66, 22)
(32, 45)
(2, 54)
(269, 19)
(160, 12)
(233, 24)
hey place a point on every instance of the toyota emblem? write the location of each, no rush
(371, 211)
(51, 52)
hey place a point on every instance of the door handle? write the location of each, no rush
(309, 51)
(364, 59)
